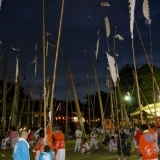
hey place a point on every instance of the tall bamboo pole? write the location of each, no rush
(29, 105)
(5, 79)
(66, 130)
(75, 98)
(56, 59)
(136, 81)
(44, 68)
(88, 98)
(14, 109)
(23, 104)
(99, 98)
(40, 107)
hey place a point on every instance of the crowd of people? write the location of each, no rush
(49, 144)
(145, 139)
(46, 144)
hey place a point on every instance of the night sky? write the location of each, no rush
(81, 21)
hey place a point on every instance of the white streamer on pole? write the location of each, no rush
(107, 26)
(0, 4)
(97, 48)
(132, 7)
(105, 4)
(119, 37)
(145, 9)
(112, 68)
(35, 63)
(17, 69)
(35, 67)
(35, 47)
(15, 49)
(48, 34)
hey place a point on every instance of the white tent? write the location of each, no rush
(149, 109)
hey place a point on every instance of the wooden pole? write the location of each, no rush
(66, 130)
(88, 98)
(5, 79)
(23, 104)
(56, 59)
(136, 81)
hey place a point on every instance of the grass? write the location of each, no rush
(70, 155)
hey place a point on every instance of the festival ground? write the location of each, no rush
(70, 155)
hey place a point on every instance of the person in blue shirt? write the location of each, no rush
(47, 154)
(21, 148)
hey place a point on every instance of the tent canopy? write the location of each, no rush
(149, 109)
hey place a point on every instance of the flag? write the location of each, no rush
(132, 7)
(35, 67)
(97, 47)
(119, 37)
(59, 107)
(47, 48)
(0, 4)
(117, 71)
(107, 81)
(15, 49)
(17, 69)
(128, 93)
(105, 4)
(35, 47)
(107, 26)
(50, 115)
(112, 68)
(145, 9)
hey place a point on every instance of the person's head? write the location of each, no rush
(41, 133)
(144, 127)
(57, 129)
(85, 140)
(13, 128)
(122, 129)
(136, 127)
(153, 127)
(47, 148)
(23, 134)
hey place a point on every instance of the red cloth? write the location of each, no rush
(31, 136)
(137, 136)
(49, 139)
(59, 142)
(147, 146)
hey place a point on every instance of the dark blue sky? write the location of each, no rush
(82, 19)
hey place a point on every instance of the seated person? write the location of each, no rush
(85, 147)
(47, 154)
(113, 144)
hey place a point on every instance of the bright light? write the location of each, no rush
(24, 128)
(127, 98)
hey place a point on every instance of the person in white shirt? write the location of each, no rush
(93, 140)
(78, 134)
(3, 145)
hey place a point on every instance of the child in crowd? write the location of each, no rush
(47, 154)
(3, 145)
(85, 147)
